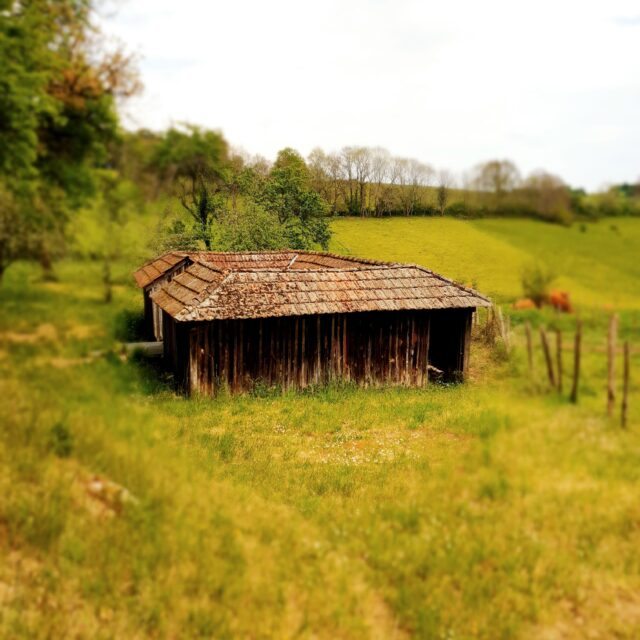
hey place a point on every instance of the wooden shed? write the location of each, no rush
(296, 318)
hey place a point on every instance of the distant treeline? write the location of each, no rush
(371, 182)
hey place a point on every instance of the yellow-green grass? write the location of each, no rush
(598, 263)
(488, 510)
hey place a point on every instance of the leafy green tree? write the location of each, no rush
(289, 195)
(196, 162)
(58, 91)
(14, 233)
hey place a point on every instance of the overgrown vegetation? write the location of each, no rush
(484, 511)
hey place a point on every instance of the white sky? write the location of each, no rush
(550, 83)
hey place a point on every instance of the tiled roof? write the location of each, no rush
(220, 286)
(152, 270)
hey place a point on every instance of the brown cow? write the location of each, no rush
(524, 304)
(559, 300)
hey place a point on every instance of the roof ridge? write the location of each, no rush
(365, 267)
(450, 281)
(184, 254)
(211, 267)
(344, 257)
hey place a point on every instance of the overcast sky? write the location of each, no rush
(551, 83)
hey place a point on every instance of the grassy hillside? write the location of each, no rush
(489, 510)
(597, 263)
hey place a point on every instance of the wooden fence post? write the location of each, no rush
(547, 357)
(611, 369)
(576, 362)
(527, 330)
(559, 358)
(625, 384)
(501, 327)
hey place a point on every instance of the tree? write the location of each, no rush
(117, 198)
(445, 182)
(536, 282)
(196, 161)
(298, 208)
(58, 93)
(549, 196)
(412, 177)
(250, 229)
(15, 233)
(497, 177)
(380, 160)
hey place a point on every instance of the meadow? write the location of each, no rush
(494, 509)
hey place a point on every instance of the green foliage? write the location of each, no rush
(61, 440)
(251, 229)
(57, 113)
(536, 282)
(344, 512)
(340, 512)
(129, 326)
(288, 194)
(195, 161)
(190, 152)
(495, 251)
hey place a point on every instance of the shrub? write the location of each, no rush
(129, 326)
(536, 282)
(61, 440)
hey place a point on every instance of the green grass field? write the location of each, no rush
(488, 510)
(597, 262)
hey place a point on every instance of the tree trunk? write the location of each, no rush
(106, 280)
(46, 263)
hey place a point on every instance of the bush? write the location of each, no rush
(129, 326)
(536, 283)
(61, 440)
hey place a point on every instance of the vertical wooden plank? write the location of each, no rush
(303, 351)
(611, 367)
(318, 348)
(547, 356)
(576, 363)
(193, 362)
(427, 339)
(296, 347)
(396, 355)
(466, 346)
(559, 367)
(625, 384)
(235, 355)
(407, 351)
(345, 350)
(527, 331)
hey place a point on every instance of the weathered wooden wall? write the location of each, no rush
(153, 314)
(368, 348)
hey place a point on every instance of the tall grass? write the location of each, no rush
(489, 510)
